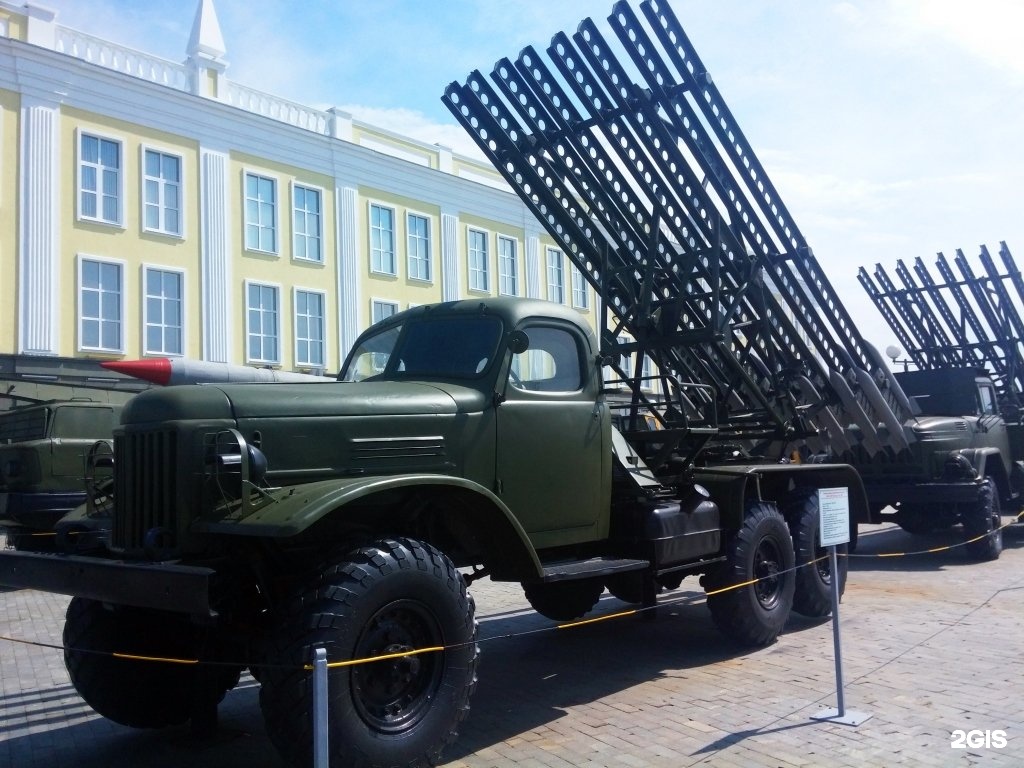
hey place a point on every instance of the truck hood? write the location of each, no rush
(277, 401)
(940, 425)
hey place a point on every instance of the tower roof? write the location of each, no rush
(206, 40)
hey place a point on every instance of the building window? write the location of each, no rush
(163, 312)
(382, 240)
(508, 272)
(262, 326)
(478, 277)
(382, 310)
(309, 328)
(100, 297)
(306, 226)
(580, 294)
(418, 232)
(161, 191)
(99, 179)
(260, 213)
(556, 276)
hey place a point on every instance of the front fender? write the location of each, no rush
(289, 511)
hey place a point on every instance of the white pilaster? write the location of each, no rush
(533, 266)
(347, 227)
(39, 231)
(451, 275)
(217, 288)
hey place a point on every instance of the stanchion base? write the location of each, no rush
(849, 717)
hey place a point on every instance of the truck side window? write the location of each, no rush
(987, 400)
(551, 364)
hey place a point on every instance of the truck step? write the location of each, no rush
(595, 566)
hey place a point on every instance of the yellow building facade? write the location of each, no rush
(156, 209)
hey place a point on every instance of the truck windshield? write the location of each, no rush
(458, 347)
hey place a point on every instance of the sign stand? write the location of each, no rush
(833, 530)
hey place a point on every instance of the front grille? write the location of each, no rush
(145, 485)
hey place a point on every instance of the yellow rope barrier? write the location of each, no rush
(567, 625)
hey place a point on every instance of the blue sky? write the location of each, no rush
(892, 128)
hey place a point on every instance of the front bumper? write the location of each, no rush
(162, 586)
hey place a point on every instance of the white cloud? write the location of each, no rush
(992, 30)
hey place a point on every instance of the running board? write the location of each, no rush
(595, 566)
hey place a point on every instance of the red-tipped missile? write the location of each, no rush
(167, 371)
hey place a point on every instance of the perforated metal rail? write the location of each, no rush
(637, 168)
(961, 320)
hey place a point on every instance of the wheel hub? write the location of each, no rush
(393, 694)
(767, 567)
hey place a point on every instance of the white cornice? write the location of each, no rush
(92, 88)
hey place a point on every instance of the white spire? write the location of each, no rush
(206, 41)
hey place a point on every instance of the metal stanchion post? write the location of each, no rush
(838, 715)
(320, 751)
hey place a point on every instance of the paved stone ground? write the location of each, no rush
(931, 644)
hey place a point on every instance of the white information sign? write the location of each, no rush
(834, 516)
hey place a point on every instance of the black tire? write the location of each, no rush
(984, 519)
(627, 587)
(754, 615)
(390, 596)
(139, 694)
(916, 518)
(812, 595)
(564, 600)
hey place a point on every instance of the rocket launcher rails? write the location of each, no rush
(627, 153)
(962, 319)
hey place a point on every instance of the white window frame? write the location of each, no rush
(81, 317)
(556, 275)
(162, 207)
(146, 320)
(299, 341)
(506, 276)
(248, 325)
(377, 254)
(375, 303)
(305, 236)
(273, 227)
(80, 165)
(479, 272)
(413, 264)
(580, 289)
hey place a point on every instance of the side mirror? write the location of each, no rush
(518, 342)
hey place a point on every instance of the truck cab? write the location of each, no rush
(43, 454)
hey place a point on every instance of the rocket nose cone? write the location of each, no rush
(156, 370)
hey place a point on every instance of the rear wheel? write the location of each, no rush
(812, 595)
(761, 552)
(392, 597)
(983, 522)
(564, 600)
(916, 518)
(133, 692)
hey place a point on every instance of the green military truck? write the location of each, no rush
(44, 451)
(964, 373)
(254, 523)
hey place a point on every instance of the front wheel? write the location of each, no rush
(751, 594)
(983, 523)
(392, 598)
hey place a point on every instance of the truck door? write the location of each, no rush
(552, 461)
